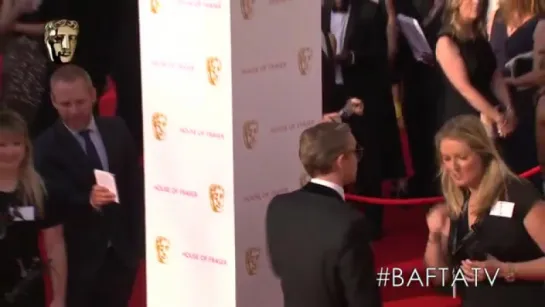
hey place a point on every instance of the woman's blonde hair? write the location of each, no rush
(453, 23)
(514, 11)
(469, 130)
(31, 187)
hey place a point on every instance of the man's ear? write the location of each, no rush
(340, 159)
(93, 93)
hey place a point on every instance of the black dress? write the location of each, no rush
(421, 90)
(507, 240)
(519, 149)
(480, 67)
(20, 254)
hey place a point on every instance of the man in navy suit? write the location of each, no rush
(104, 237)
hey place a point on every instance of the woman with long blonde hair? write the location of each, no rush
(472, 82)
(490, 230)
(24, 210)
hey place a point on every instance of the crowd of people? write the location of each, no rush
(473, 110)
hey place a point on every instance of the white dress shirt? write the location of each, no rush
(330, 185)
(338, 24)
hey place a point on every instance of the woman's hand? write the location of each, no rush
(24, 6)
(507, 124)
(332, 117)
(438, 219)
(480, 270)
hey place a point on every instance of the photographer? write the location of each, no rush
(24, 211)
(492, 222)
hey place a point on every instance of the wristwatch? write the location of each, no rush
(510, 275)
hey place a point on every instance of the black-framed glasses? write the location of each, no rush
(358, 151)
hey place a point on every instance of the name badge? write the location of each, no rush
(503, 209)
(22, 214)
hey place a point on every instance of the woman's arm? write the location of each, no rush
(537, 76)
(453, 66)
(435, 257)
(32, 29)
(54, 245)
(534, 269)
(391, 31)
(7, 15)
(500, 90)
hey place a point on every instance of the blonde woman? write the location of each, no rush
(491, 228)
(24, 210)
(472, 82)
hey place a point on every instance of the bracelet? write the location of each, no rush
(510, 275)
(435, 237)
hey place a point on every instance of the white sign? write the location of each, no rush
(227, 89)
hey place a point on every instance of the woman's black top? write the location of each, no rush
(480, 65)
(506, 239)
(19, 252)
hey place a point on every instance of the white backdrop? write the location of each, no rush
(227, 88)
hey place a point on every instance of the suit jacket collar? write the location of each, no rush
(355, 7)
(74, 149)
(322, 190)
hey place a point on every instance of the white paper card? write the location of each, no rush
(415, 36)
(107, 180)
(22, 214)
(503, 209)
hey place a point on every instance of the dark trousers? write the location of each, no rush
(111, 286)
(368, 181)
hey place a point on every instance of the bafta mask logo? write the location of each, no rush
(247, 9)
(155, 6)
(61, 39)
(217, 197)
(250, 130)
(162, 246)
(159, 123)
(303, 60)
(252, 258)
(213, 68)
(304, 179)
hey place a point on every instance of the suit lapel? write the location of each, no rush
(350, 25)
(70, 145)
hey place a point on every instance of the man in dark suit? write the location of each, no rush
(103, 236)
(318, 244)
(362, 71)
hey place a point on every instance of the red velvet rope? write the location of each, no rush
(416, 201)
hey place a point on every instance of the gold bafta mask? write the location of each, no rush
(252, 258)
(303, 60)
(61, 39)
(304, 179)
(217, 197)
(250, 130)
(159, 123)
(162, 246)
(213, 68)
(155, 5)
(247, 9)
